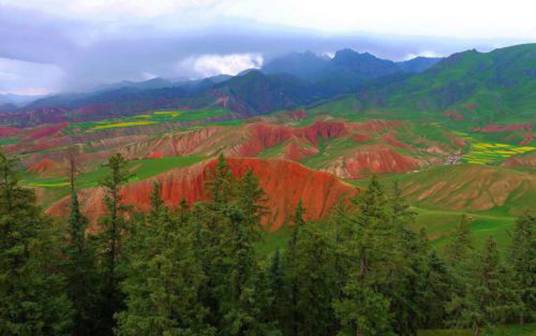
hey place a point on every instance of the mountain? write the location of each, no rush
(16, 100)
(154, 83)
(418, 64)
(306, 66)
(482, 87)
(258, 93)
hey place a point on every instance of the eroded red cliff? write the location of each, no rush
(284, 182)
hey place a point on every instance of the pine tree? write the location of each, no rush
(113, 231)
(80, 264)
(523, 263)
(33, 301)
(364, 309)
(164, 278)
(316, 288)
(460, 244)
(437, 293)
(292, 275)
(489, 297)
(276, 283)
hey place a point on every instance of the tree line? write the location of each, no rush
(196, 270)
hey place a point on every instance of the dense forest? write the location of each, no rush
(196, 269)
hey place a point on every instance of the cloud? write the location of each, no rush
(73, 45)
(212, 64)
(424, 53)
(29, 78)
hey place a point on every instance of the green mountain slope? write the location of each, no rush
(499, 86)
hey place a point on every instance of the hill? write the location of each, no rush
(498, 86)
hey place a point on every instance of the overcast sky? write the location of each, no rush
(50, 46)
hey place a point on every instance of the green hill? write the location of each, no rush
(498, 86)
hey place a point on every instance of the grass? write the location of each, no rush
(141, 169)
(122, 124)
(8, 141)
(153, 118)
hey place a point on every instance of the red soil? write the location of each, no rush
(264, 135)
(376, 159)
(376, 125)
(391, 139)
(454, 115)
(43, 167)
(8, 131)
(284, 182)
(45, 131)
(493, 128)
(361, 137)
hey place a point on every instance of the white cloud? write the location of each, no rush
(213, 64)
(425, 53)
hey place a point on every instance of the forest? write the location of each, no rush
(196, 269)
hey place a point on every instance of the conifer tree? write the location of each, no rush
(33, 301)
(316, 288)
(80, 263)
(113, 231)
(489, 297)
(164, 278)
(363, 308)
(291, 267)
(523, 264)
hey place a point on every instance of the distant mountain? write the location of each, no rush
(486, 87)
(478, 86)
(16, 100)
(418, 64)
(306, 65)
(154, 83)
(258, 93)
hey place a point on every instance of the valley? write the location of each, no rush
(288, 176)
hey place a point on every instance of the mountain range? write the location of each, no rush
(482, 87)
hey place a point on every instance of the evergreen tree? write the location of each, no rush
(110, 238)
(489, 297)
(292, 276)
(363, 308)
(80, 264)
(523, 263)
(316, 288)
(32, 295)
(164, 278)
(437, 293)
(276, 283)
(460, 244)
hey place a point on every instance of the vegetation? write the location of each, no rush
(202, 269)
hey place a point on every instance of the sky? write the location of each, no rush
(49, 46)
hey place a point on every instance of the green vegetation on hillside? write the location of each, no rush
(204, 269)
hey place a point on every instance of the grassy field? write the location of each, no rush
(57, 187)
(153, 118)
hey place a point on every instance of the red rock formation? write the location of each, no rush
(45, 166)
(264, 135)
(391, 139)
(284, 182)
(374, 159)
